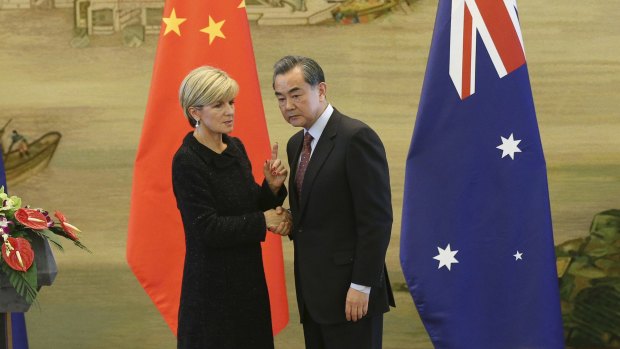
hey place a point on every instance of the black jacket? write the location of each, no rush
(224, 292)
(343, 223)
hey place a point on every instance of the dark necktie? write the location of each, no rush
(303, 162)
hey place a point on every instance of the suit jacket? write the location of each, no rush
(342, 225)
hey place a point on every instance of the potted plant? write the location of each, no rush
(27, 262)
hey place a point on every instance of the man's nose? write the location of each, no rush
(289, 104)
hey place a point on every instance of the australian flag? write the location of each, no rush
(477, 240)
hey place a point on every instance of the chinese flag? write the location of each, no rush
(194, 33)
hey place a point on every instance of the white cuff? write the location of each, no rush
(364, 289)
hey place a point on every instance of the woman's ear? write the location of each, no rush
(194, 113)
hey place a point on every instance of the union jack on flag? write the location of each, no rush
(497, 24)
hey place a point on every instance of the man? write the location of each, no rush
(21, 143)
(342, 213)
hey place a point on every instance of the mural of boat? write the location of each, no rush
(19, 167)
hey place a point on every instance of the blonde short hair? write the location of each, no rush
(204, 86)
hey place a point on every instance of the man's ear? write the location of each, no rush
(322, 90)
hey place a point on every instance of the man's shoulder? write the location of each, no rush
(349, 124)
(355, 130)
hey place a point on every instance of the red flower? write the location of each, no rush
(17, 253)
(71, 230)
(31, 218)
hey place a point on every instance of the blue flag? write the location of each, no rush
(477, 241)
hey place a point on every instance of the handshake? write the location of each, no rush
(279, 221)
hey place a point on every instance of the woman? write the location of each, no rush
(224, 299)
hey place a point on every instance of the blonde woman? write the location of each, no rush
(225, 213)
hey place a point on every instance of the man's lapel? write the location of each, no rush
(294, 151)
(319, 155)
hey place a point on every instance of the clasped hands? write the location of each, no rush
(279, 221)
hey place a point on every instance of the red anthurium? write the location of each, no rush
(31, 218)
(71, 230)
(17, 253)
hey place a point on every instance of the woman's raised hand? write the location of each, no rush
(274, 171)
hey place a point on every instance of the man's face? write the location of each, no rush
(300, 104)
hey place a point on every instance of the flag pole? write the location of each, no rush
(3, 336)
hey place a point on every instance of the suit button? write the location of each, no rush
(300, 230)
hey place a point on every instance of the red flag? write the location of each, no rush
(194, 33)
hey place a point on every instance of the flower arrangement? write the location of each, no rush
(18, 227)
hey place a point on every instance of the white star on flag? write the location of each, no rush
(445, 257)
(518, 255)
(509, 146)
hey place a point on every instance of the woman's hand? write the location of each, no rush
(274, 171)
(279, 221)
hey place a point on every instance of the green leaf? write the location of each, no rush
(51, 237)
(25, 284)
(83, 247)
(17, 202)
(59, 232)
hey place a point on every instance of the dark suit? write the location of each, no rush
(342, 225)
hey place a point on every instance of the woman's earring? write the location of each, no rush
(197, 123)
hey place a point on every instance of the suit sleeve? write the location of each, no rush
(369, 180)
(200, 218)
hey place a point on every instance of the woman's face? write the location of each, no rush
(217, 117)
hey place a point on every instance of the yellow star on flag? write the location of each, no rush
(214, 30)
(242, 4)
(173, 23)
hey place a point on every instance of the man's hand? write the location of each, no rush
(356, 305)
(279, 221)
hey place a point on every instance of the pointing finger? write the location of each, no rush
(274, 151)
